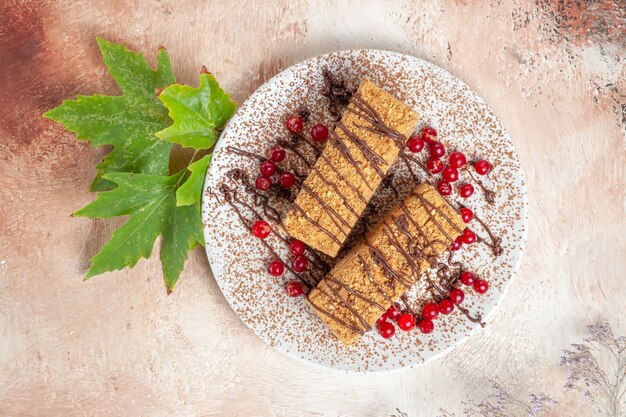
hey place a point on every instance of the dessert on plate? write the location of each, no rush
(376, 272)
(360, 150)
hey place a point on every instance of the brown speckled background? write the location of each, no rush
(553, 72)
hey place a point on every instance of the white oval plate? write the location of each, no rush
(464, 122)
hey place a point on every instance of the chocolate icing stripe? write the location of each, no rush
(332, 316)
(337, 143)
(368, 273)
(316, 224)
(331, 211)
(337, 191)
(372, 157)
(354, 292)
(344, 179)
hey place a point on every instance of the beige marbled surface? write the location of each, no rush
(553, 71)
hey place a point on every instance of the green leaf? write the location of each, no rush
(191, 191)
(128, 122)
(150, 201)
(197, 113)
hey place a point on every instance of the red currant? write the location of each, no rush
(450, 174)
(300, 263)
(267, 168)
(457, 295)
(261, 229)
(456, 245)
(457, 159)
(429, 134)
(393, 312)
(297, 247)
(481, 286)
(386, 329)
(444, 188)
(276, 268)
(437, 150)
(468, 237)
(319, 132)
(430, 311)
(294, 124)
(294, 289)
(467, 278)
(446, 306)
(287, 179)
(427, 326)
(263, 183)
(406, 322)
(482, 167)
(381, 319)
(277, 153)
(415, 144)
(466, 214)
(435, 166)
(466, 190)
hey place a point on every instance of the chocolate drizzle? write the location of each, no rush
(496, 242)
(336, 91)
(490, 196)
(231, 197)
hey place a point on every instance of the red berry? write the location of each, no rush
(444, 188)
(450, 174)
(267, 168)
(277, 153)
(456, 245)
(297, 247)
(263, 183)
(427, 326)
(482, 167)
(468, 237)
(393, 312)
(446, 306)
(481, 286)
(457, 159)
(466, 190)
(415, 144)
(300, 263)
(429, 134)
(435, 166)
(386, 329)
(457, 295)
(437, 150)
(287, 179)
(319, 132)
(381, 319)
(430, 311)
(466, 214)
(406, 322)
(294, 289)
(467, 278)
(276, 268)
(261, 229)
(294, 124)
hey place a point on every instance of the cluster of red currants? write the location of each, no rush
(430, 311)
(300, 263)
(435, 165)
(268, 167)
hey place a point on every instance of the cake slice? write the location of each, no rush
(391, 257)
(361, 148)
